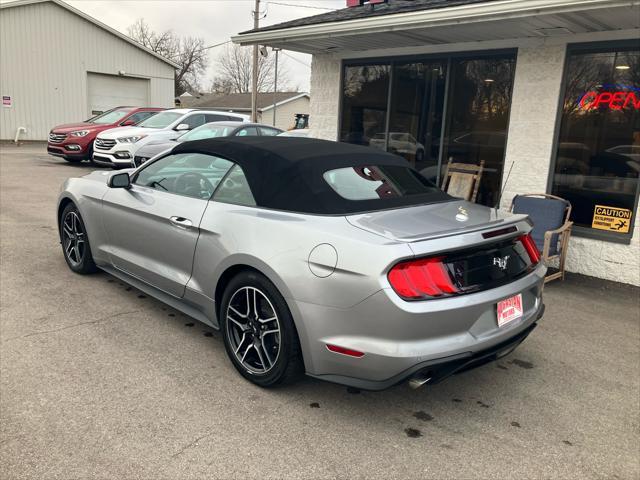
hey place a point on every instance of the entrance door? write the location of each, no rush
(478, 118)
(415, 120)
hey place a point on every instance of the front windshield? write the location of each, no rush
(208, 130)
(161, 120)
(107, 118)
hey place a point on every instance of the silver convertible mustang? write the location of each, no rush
(311, 256)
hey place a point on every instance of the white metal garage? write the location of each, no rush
(59, 64)
(107, 91)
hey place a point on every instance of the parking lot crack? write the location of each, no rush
(67, 327)
(191, 445)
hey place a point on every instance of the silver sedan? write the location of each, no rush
(334, 260)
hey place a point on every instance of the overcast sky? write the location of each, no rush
(214, 20)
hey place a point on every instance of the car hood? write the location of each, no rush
(155, 147)
(118, 132)
(72, 127)
(413, 224)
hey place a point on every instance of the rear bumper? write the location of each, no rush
(400, 339)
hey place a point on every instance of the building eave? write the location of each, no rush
(424, 19)
(297, 97)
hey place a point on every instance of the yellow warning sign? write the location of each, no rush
(611, 218)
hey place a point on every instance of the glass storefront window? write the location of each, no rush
(598, 155)
(364, 103)
(478, 118)
(439, 109)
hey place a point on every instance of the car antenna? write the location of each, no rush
(504, 185)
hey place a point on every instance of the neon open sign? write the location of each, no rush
(617, 100)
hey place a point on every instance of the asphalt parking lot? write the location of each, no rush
(99, 381)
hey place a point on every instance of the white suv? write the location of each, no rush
(117, 147)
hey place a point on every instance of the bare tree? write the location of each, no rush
(234, 65)
(188, 52)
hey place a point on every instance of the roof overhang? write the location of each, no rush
(282, 102)
(89, 18)
(496, 20)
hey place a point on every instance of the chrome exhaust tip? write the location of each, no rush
(419, 380)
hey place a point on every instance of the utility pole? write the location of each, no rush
(275, 86)
(254, 76)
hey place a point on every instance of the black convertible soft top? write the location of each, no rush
(286, 173)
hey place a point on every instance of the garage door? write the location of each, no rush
(109, 91)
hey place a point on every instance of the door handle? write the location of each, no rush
(181, 222)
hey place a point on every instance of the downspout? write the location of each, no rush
(18, 132)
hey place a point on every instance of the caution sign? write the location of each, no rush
(612, 219)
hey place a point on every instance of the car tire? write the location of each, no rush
(261, 355)
(75, 241)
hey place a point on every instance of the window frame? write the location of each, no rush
(577, 230)
(220, 184)
(446, 58)
(134, 175)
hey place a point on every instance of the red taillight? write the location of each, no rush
(531, 248)
(345, 351)
(422, 278)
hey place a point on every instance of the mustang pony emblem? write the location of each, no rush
(462, 215)
(501, 262)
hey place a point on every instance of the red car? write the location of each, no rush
(74, 141)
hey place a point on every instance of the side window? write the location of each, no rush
(194, 120)
(188, 174)
(269, 132)
(136, 118)
(210, 117)
(235, 189)
(248, 132)
(231, 118)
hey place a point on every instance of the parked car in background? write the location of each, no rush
(300, 133)
(117, 147)
(74, 141)
(309, 255)
(208, 130)
(401, 143)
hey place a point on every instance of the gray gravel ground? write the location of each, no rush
(99, 381)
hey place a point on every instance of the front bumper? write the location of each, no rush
(70, 149)
(112, 159)
(401, 339)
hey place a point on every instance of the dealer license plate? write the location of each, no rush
(509, 310)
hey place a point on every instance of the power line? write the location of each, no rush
(301, 6)
(216, 45)
(296, 59)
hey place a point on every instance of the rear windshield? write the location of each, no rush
(161, 120)
(109, 117)
(378, 182)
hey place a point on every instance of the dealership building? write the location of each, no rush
(59, 65)
(545, 92)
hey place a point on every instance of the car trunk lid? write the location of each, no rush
(437, 220)
(478, 248)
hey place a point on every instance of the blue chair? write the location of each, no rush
(551, 226)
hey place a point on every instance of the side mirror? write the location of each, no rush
(120, 180)
(128, 123)
(182, 127)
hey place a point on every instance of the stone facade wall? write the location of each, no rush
(325, 97)
(534, 108)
